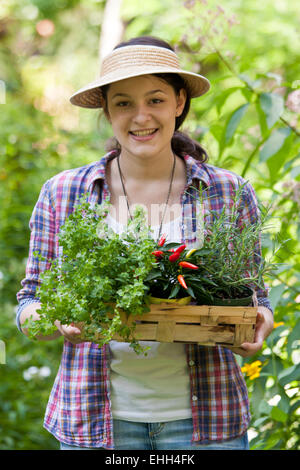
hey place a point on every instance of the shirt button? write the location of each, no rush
(194, 398)
(191, 363)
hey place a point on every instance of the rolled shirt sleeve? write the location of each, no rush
(42, 240)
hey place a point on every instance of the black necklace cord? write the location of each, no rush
(168, 196)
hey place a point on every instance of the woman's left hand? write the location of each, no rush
(264, 326)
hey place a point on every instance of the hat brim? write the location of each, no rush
(90, 95)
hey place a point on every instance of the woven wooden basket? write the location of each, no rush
(206, 325)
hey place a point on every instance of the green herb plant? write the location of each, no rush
(99, 275)
(230, 263)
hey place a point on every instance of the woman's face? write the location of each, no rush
(142, 112)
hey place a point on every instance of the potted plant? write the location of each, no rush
(165, 281)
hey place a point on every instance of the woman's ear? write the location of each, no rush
(181, 99)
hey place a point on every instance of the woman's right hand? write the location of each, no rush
(71, 332)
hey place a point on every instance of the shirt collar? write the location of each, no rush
(98, 170)
(195, 170)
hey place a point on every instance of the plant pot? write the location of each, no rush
(182, 301)
(237, 302)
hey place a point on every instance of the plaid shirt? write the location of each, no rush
(79, 411)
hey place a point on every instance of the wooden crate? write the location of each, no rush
(206, 325)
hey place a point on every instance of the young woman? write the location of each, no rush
(180, 396)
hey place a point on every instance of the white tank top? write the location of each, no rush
(156, 387)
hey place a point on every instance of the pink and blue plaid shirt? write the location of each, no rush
(79, 411)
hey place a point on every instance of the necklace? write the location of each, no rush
(168, 196)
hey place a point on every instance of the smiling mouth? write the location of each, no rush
(143, 133)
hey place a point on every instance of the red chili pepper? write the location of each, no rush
(176, 254)
(180, 248)
(174, 257)
(181, 281)
(157, 253)
(185, 264)
(162, 240)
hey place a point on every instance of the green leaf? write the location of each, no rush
(221, 99)
(260, 421)
(248, 94)
(276, 294)
(264, 408)
(288, 375)
(294, 339)
(275, 163)
(272, 105)
(284, 403)
(289, 164)
(275, 335)
(273, 441)
(295, 406)
(153, 275)
(217, 130)
(174, 291)
(191, 292)
(262, 120)
(274, 143)
(278, 415)
(234, 121)
(274, 366)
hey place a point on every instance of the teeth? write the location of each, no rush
(141, 133)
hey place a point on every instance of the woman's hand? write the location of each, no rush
(72, 333)
(264, 326)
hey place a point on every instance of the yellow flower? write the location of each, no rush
(278, 324)
(252, 370)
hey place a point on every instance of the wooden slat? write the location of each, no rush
(202, 309)
(194, 311)
(203, 319)
(213, 320)
(203, 334)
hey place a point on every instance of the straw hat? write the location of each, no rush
(133, 61)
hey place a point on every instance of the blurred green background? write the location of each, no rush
(248, 123)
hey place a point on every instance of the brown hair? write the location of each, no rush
(181, 143)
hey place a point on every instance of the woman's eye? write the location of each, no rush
(122, 103)
(156, 100)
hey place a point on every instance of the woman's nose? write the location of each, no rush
(141, 114)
